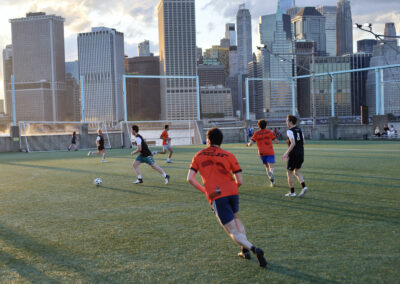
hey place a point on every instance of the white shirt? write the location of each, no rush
(290, 135)
(138, 141)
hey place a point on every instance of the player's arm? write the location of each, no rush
(292, 144)
(276, 141)
(250, 143)
(239, 178)
(191, 178)
(138, 148)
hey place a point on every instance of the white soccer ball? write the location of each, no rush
(97, 181)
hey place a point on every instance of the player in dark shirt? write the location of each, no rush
(294, 155)
(100, 146)
(73, 142)
(145, 156)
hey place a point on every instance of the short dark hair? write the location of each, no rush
(166, 126)
(135, 128)
(215, 136)
(292, 119)
(262, 123)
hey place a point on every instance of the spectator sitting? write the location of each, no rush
(391, 131)
(385, 130)
(377, 132)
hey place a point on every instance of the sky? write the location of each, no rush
(137, 19)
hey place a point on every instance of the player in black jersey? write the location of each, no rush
(294, 155)
(145, 156)
(100, 146)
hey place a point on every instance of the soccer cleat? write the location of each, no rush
(303, 191)
(90, 153)
(289, 194)
(245, 253)
(139, 180)
(168, 161)
(166, 179)
(260, 256)
(154, 152)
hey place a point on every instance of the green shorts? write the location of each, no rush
(148, 160)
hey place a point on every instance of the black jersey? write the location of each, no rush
(298, 138)
(100, 141)
(73, 140)
(145, 152)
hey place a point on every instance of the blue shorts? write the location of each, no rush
(268, 159)
(225, 207)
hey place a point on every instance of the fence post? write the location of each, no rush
(82, 100)
(247, 100)
(13, 101)
(333, 96)
(125, 104)
(382, 93)
(377, 91)
(198, 97)
(293, 97)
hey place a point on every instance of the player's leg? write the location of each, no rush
(290, 183)
(104, 155)
(136, 165)
(170, 154)
(69, 147)
(156, 167)
(300, 178)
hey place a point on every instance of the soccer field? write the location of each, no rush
(56, 226)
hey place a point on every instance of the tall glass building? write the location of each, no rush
(285, 4)
(330, 28)
(101, 63)
(344, 28)
(177, 48)
(244, 38)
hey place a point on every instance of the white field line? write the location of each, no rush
(352, 149)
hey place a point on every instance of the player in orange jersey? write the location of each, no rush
(264, 139)
(166, 142)
(216, 167)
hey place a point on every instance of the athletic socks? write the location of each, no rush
(164, 174)
(292, 189)
(303, 184)
(139, 176)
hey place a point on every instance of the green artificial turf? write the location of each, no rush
(56, 226)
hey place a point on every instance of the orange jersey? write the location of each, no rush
(165, 137)
(264, 139)
(216, 167)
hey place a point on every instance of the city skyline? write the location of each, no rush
(80, 17)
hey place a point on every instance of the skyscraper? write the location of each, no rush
(38, 66)
(330, 28)
(177, 48)
(230, 33)
(144, 48)
(366, 45)
(309, 24)
(7, 72)
(275, 32)
(244, 38)
(285, 4)
(101, 63)
(390, 33)
(344, 28)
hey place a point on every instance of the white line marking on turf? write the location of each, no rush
(352, 149)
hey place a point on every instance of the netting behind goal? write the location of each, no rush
(52, 136)
(181, 132)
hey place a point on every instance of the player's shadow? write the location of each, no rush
(123, 190)
(24, 269)
(324, 209)
(48, 255)
(298, 275)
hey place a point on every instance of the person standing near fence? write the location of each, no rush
(73, 142)
(166, 143)
(100, 146)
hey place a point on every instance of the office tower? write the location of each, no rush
(2, 107)
(225, 43)
(211, 75)
(144, 48)
(330, 27)
(143, 95)
(230, 33)
(293, 11)
(366, 45)
(7, 72)
(385, 54)
(72, 83)
(322, 87)
(390, 33)
(177, 45)
(219, 53)
(101, 63)
(256, 89)
(276, 60)
(309, 24)
(216, 102)
(344, 28)
(38, 66)
(244, 38)
(285, 4)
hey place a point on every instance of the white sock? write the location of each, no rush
(139, 177)
(164, 174)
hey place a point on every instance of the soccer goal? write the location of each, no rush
(181, 132)
(56, 136)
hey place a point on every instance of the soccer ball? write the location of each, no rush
(97, 181)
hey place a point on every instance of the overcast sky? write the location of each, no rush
(137, 19)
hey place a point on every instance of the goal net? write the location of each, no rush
(55, 136)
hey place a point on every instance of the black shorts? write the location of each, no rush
(295, 161)
(100, 148)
